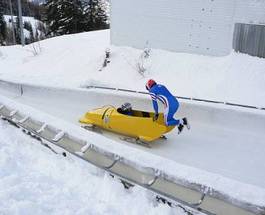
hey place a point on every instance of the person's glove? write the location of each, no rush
(155, 117)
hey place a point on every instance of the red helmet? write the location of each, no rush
(150, 83)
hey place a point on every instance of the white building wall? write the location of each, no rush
(193, 26)
(250, 12)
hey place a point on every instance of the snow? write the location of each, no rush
(34, 23)
(74, 61)
(245, 192)
(236, 78)
(33, 180)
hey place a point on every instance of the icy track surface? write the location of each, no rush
(33, 181)
(222, 141)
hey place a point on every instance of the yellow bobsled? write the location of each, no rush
(139, 124)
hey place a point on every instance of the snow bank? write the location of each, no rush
(75, 60)
(231, 188)
(33, 180)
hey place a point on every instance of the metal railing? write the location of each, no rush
(180, 97)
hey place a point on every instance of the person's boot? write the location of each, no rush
(180, 128)
(186, 123)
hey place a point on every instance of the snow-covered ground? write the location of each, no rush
(35, 181)
(196, 156)
(75, 60)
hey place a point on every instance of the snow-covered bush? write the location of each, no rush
(141, 64)
(36, 48)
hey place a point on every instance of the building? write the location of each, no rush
(208, 27)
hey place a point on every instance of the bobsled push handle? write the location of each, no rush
(103, 115)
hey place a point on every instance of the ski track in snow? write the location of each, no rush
(35, 181)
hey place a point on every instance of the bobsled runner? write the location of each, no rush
(136, 124)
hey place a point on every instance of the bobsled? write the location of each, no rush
(138, 124)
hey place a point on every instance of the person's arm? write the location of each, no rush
(154, 100)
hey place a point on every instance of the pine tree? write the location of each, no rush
(65, 16)
(96, 14)
(28, 27)
(73, 16)
(3, 28)
(17, 30)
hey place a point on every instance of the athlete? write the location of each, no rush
(126, 109)
(171, 104)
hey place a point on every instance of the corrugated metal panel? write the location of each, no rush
(249, 39)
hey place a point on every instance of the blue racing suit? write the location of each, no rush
(171, 104)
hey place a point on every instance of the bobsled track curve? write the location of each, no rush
(224, 140)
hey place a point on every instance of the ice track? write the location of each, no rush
(229, 141)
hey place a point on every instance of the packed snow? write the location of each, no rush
(242, 191)
(33, 180)
(74, 61)
(236, 78)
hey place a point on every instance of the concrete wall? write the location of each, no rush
(250, 12)
(201, 26)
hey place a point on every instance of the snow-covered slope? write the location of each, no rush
(75, 60)
(40, 182)
(196, 156)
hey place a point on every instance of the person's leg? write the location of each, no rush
(165, 115)
(169, 116)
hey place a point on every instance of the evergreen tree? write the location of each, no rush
(3, 28)
(17, 31)
(97, 15)
(65, 16)
(73, 16)
(29, 8)
(28, 27)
